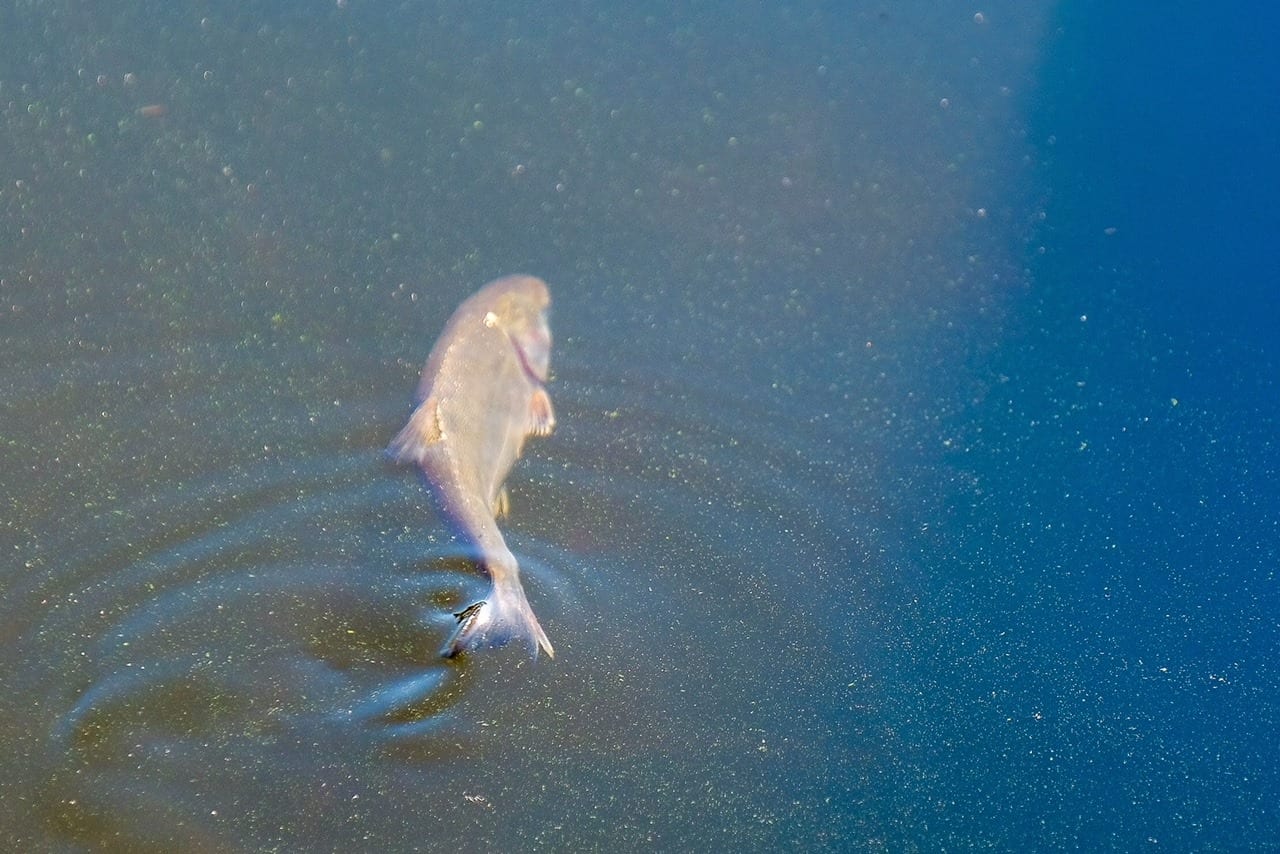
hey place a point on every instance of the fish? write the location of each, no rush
(482, 393)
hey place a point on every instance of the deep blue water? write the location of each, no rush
(1162, 131)
(915, 479)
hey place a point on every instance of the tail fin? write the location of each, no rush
(503, 617)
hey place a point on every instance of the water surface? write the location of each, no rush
(891, 504)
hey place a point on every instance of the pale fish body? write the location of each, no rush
(481, 395)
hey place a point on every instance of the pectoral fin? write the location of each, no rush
(423, 430)
(501, 503)
(542, 418)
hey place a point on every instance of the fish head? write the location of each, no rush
(521, 311)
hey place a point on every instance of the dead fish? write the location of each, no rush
(481, 395)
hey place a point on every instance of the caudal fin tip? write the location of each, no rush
(543, 643)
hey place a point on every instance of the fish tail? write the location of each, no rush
(503, 617)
